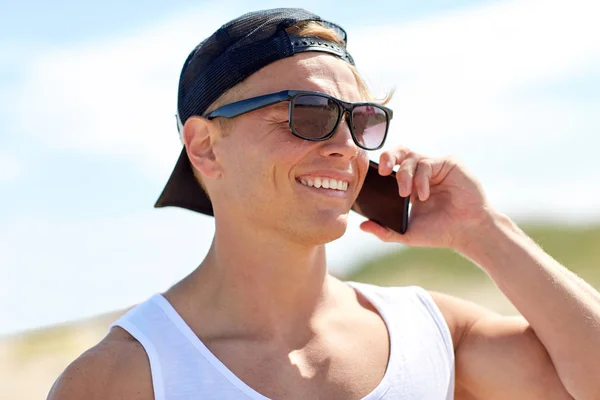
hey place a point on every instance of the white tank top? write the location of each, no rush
(420, 366)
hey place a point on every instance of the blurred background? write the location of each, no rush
(88, 139)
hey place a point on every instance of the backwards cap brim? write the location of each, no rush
(183, 190)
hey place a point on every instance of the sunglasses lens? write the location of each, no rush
(370, 125)
(314, 117)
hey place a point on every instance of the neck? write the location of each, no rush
(262, 282)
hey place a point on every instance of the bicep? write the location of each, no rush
(498, 357)
(501, 357)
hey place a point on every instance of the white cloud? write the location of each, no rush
(457, 74)
(498, 46)
(115, 97)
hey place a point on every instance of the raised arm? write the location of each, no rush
(554, 350)
(559, 309)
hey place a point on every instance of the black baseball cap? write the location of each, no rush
(235, 51)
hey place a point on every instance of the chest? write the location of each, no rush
(353, 356)
(342, 364)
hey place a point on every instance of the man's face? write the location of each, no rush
(264, 165)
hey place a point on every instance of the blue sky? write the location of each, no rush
(87, 138)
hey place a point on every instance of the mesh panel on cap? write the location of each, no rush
(228, 56)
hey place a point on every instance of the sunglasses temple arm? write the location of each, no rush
(245, 106)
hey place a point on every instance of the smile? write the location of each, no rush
(325, 183)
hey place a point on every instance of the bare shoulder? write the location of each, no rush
(460, 314)
(116, 368)
(497, 357)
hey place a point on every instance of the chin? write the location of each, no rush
(324, 230)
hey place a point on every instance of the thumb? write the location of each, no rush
(383, 233)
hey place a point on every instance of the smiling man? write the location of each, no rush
(277, 125)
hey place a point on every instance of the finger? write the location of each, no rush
(422, 178)
(405, 175)
(389, 159)
(383, 233)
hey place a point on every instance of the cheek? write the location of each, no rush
(258, 162)
(278, 146)
(280, 158)
(362, 165)
(289, 150)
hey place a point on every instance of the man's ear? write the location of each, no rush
(199, 136)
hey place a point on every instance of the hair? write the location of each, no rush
(317, 29)
(303, 28)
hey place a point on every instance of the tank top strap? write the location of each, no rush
(421, 341)
(143, 322)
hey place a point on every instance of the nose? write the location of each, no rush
(341, 143)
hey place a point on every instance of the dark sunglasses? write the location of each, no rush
(315, 116)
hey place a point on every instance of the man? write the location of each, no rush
(267, 107)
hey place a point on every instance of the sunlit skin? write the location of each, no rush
(288, 329)
(267, 267)
(253, 179)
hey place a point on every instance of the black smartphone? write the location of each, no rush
(379, 200)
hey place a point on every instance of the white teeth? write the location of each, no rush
(325, 183)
